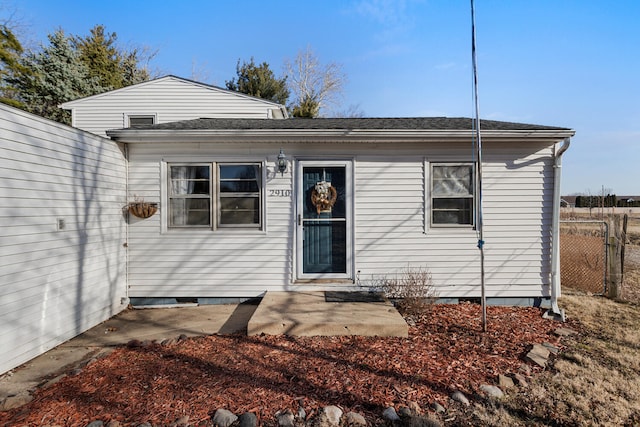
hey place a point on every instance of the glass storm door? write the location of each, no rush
(324, 225)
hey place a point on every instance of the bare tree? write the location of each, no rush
(200, 71)
(353, 111)
(315, 87)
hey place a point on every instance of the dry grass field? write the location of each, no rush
(582, 252)
(595, 380)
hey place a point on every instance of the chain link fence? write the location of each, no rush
(583, 256)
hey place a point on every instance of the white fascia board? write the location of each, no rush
(319, 135)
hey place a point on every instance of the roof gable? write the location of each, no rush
(152, 84)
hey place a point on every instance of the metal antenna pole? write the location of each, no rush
(479, 223)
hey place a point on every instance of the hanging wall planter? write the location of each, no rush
(142, 209)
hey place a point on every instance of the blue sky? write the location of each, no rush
(568, 63)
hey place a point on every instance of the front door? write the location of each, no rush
(324, 219)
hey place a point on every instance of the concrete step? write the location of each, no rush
(313, 314)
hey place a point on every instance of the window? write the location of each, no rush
(190, 196)
(217, 195)
(136, 121)
(239, 195)
(452, 193)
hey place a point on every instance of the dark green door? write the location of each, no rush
(324, 220)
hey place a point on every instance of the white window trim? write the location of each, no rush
(164, 196)
(127, 118)
(428, 217)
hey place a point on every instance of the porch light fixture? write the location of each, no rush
(281, 162)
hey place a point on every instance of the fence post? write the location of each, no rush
(616, 256)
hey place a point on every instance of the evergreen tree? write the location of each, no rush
(10, 65)
(57, 75)
(307, 108)
(113, 67)
(259, 81)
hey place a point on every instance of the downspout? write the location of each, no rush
(555, 311)
(125, 150)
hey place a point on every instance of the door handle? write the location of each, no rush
(299, 219)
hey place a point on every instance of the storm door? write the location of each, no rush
(324, 219)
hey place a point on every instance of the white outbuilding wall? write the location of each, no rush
(62, 260)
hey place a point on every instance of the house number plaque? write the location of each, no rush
(280, 193)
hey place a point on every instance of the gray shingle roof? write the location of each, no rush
(411, 123)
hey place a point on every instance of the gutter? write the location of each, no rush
(327, 135)
(555, 311)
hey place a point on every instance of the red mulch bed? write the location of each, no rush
(445, 351)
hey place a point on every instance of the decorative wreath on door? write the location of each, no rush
(323, 196)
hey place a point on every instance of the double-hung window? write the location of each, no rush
(452, 194)
(215, 195)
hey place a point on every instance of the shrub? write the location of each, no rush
(411, 289)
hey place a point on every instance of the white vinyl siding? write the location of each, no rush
(167, 99)
(517, 193)
(391, 222)
(56, 282)
(229, 262)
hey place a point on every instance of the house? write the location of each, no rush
(248, 206)
(568, 202)
(250, 201)
(163, 100)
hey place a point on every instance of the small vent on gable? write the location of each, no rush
(137, 121)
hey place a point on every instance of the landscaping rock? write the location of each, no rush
(224, 418)
(96, 423)
(404, 412)
(113, 423)
(552, 348)
(458, 396)
(353, 419)
(438, 408)
(505, 382)
(564, 332)
(330, 416)
(520, 380)
(248, 419)
(145, 425)
(301, 414)
(285, 419)
(539, 355)
(492, 391)
(390, 415)
(525, 369)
